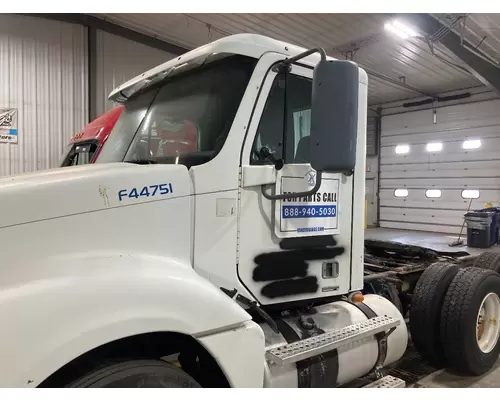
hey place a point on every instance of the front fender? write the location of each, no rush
(240, 352)
(50, 321)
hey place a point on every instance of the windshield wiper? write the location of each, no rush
(142, 161)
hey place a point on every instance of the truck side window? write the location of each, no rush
(271, 131)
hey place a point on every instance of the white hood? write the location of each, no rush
(75, 190)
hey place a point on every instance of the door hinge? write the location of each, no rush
(240, 183)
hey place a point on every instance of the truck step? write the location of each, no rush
(387, 382)
(316, 345)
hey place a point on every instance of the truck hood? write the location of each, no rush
(68, 191)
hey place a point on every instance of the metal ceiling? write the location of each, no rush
(397, 69)
(482, 31)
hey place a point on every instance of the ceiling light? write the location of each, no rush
(405, 28)
(389, 26)
(400, 29)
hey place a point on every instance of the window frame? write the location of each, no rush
(470, 190)
(434, 151)
(405, 145)
(434, 197)
(401, 197)
(297, 70)
(480, 143)
(143, 102)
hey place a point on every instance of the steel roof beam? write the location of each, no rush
(114, 29)
(483, 70)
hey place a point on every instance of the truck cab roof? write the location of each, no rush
(246, 44)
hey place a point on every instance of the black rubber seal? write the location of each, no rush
(324, 368)
(316, 372)
(303, 370)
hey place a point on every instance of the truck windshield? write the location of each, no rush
(183, 121)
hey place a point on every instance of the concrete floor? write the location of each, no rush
(444, 379)
(437, 241)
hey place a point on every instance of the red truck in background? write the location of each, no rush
(169, 137)
(85, 146)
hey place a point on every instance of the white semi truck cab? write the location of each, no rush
(217, 241)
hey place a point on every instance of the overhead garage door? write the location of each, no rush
(431, 166)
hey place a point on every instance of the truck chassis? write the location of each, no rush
(392, 269)
(448, 299)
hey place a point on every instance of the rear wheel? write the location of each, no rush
(488, 260)
(425, 311)
(487, 329)
(137, 374)
(470, 321)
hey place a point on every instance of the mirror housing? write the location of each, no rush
(334, 116)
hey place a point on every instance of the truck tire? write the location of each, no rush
(488, 260)
(470, 321)
(425, 311)
(136, 374)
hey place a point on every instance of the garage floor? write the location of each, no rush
(437, 241)
(443, 379)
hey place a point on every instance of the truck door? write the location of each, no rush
(298, 248)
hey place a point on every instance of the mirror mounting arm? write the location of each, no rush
(284, 66)
(266, 154)
(295, 194)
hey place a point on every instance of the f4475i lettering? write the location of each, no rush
(146, 191)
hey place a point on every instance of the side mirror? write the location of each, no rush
(334, 116)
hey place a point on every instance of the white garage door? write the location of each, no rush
(432, 165)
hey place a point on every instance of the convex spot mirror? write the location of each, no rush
(334, 116)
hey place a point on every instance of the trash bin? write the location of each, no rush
(496, 221)
(482, 228)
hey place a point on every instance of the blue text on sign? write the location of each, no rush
(308, 212)
(311, 229)
(146, 191)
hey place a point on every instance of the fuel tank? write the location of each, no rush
(344, 364)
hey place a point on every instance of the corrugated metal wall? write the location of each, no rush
(450, 170)
(119, 60)
(43, 73)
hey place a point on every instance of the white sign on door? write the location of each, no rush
(8, 125)
(313, 215)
